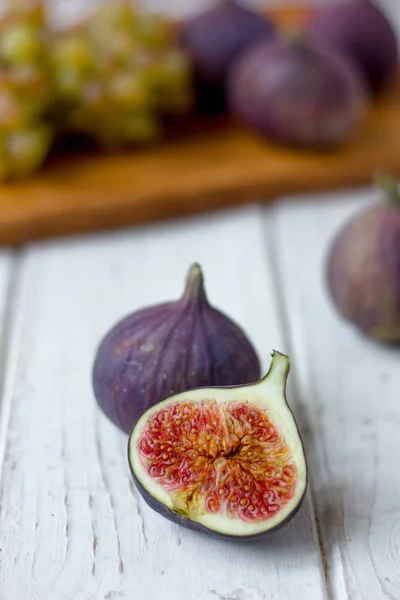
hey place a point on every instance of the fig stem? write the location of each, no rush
(194, 289)
(278, 370)
(388, 185)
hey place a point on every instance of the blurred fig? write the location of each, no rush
(214, 39)
(294, 92)
(363, 267)
(359, 29)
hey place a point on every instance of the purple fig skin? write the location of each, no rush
(363, 272)
(179, 519)
(360, 30)
(296, 93)
(216, 37)
(166, 349)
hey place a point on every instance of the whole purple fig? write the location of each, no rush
(214, 39)
(294, 92)
(363, 267)
(360, 30)
(167, 349)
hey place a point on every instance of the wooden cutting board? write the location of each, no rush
(211, 165)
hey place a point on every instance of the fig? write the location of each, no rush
(296, 93)
(166, 349)
(214, 39)
(224, 461)
(359, 29)
(363, 267)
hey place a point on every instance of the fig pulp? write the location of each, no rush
(294, 92)
(166, 349)
(359, 29)
(363, 267)
(225, 461)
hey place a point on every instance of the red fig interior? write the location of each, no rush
(230, 459)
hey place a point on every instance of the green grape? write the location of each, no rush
(32, 11)
(33, 88)
(4, 163)
(13, 114)
(93, 94)
(27, 149)
(112, 26)
(155, 32)
(168, 79)
(69, 83)
(113, 14)
(141, 128)
(26, 89)
(20, 43)
(72, 62)
(74, 52)
(115, 49)
(123, 74)
(128, 88)
(176, 65)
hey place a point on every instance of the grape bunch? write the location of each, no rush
(26, 91)
(112, 78)
(118, 73)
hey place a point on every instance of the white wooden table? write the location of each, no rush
(72, 526)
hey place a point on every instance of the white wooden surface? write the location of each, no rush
(72, 525)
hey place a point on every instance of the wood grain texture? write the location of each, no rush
(350, 396)
(72, 526)
(9, 286)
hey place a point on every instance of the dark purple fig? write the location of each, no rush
(225, 461)
(167, 349)
(363, 267)
(214, 39)
(295, 93)
(359, 29)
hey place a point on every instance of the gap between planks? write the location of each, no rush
(349, 387)
(272, 248)
(11, 311)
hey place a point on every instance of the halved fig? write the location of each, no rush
(226, 461)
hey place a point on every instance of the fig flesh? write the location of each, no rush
(363, 267)
(225, 461)
(169, 348)
(296, 93)
(359, 29)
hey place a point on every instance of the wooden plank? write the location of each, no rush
(72, 525)
(350, 398)
(7, 262)
(201, 166)
(212, 166)
(9, 288)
